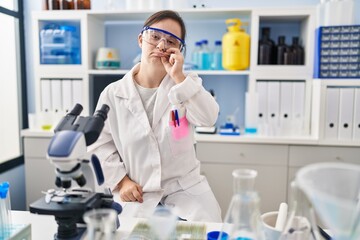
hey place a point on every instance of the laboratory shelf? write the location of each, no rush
(202, 72)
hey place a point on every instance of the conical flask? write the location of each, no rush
(301, 222)
(242, 220)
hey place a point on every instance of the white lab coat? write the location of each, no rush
(149, 155)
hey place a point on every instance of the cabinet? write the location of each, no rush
(39, 172)
(218, 160)
(120, 29)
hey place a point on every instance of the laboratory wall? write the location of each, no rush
(16, 175)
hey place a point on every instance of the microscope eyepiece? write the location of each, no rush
(76, 110)
(102, 112)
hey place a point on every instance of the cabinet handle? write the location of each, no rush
(339, 159)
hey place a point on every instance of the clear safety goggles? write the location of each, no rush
(153, 36)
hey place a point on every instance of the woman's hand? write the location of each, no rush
(130, 191)
(173, 63)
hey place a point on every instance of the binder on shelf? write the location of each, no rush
(298, 107)
(66, 95)
(273, 103)
(262, 92)
(45, 101)
(77, 92)
(56, 95)
(332, 113)
(286, 107)
(356, 122)
(346, 108)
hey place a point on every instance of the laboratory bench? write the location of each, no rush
(277, 159)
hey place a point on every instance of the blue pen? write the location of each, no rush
(177, 117)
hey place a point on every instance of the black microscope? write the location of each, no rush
(67, 151)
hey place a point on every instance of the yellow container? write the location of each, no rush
(235, 46)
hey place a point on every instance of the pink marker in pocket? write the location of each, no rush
(179, 128)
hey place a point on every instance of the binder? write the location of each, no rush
(332, 113)
(66, 95)
(261, 88)
(273, 100)
(346, 109)
(356, 121)
(77, 92)
(286, 107)
(45, 89)
(56, 95)
(298, 107)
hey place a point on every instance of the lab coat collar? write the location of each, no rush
(126, 90)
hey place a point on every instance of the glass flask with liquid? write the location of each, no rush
(242, 220)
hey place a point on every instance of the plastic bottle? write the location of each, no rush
(298, 51)
(242, 220)
(195, 56)
(235, 47)
(266, 48)
(205, 56)
(217, 57)
(280, 50)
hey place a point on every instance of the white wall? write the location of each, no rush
(30, 6)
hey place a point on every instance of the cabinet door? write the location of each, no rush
(270, 183)
(39, 176)
(39, 172)
(300, 156)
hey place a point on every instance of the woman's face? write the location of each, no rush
(151, 53)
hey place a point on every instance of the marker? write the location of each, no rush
(173, 118)
(177, 117)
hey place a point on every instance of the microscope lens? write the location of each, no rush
(66, 184)
(80, 180)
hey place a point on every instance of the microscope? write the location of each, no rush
(68, 153)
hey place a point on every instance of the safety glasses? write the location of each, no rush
(153, 36)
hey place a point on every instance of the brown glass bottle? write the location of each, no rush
(280, 49)
(51, 4)
(289, 57)
(68, 4)
(298, 51)
(266, 48)
(83, 4)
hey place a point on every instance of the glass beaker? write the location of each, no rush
(163, 222)
(301, 223)
(101, 224)
(242, 220)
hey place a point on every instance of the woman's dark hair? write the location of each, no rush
(167, 14)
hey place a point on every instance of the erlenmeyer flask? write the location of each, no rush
(242, 220)
(301, 223)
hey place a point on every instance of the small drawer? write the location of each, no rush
(303, 155)
(268, 154)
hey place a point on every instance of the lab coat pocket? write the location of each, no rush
(179, 136)
(181, 130)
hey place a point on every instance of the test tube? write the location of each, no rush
(5, 216)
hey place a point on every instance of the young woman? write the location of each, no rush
(147, 144)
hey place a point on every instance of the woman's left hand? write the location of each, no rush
(174, 64)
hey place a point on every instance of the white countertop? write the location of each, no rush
(44, 226)
(257, 139)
